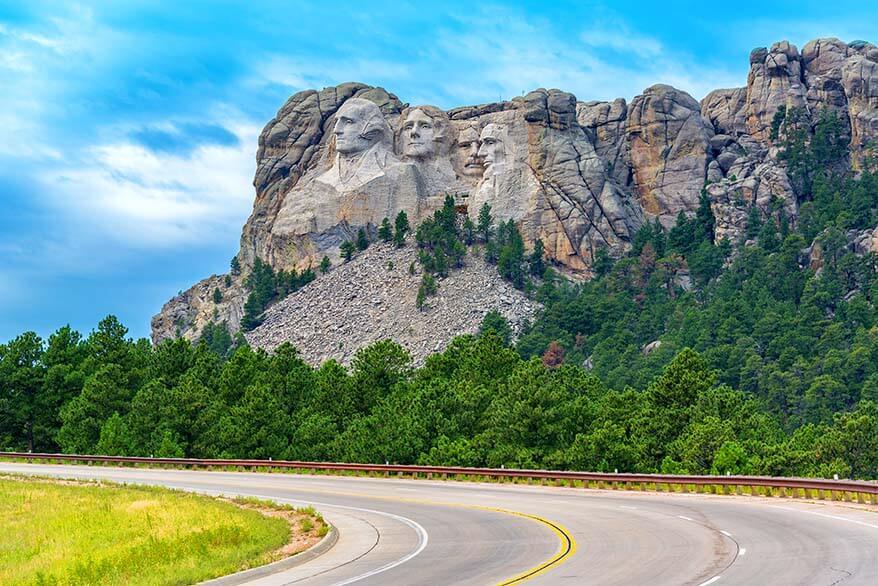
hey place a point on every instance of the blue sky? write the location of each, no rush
(128, 129)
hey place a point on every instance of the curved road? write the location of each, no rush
(426, 532)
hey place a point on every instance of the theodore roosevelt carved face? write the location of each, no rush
(359, 125)
(467, 159)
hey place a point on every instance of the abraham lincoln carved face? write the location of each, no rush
(493, 145)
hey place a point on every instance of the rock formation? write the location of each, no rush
(580, 176)
(372, 298)
(669, 142)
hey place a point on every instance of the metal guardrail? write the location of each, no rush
(848, 490)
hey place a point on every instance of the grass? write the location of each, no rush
(87, 533)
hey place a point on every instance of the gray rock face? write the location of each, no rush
(604, 123)
(775, 80)
(860, 81)
(580, 176)
(670, 150)
(372, 298)
(726, 111)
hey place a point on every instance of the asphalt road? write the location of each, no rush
(425, 532)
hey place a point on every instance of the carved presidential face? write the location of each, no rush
(358, 125)
(418, 135)
(467, 157)
(493, 147)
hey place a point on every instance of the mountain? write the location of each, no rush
(581, 177)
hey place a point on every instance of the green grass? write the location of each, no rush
(75, 533)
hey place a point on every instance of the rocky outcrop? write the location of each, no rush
(605, 122)
(373, 297)
(726, 111)
(580, 176)
(669, 142)
(865, 241)
(860, 81)
(775, 80)
(186, 314)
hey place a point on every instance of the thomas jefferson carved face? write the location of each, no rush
(358, 125)
(419, 135)
(467, 153)
(493, 147)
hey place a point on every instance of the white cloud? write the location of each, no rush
(623, 40)
(515, 55)
(298, 74)
(141, 198)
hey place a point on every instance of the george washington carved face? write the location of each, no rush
(359, 125)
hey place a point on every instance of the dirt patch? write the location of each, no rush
(307, 527)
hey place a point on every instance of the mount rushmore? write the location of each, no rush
(579, 176)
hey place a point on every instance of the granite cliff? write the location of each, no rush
(580, 176)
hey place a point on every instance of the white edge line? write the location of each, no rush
(836, 517)
(423, 539)
(711, 581)
(423, 536)
(688, 519)
(726, 533)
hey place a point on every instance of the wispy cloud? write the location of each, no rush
(620, 38)
(299, 73)
(140, 197)
(513, 54)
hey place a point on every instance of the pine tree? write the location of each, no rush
(754, 222)
(235, 265)
(402, 228)
(347, 250)
(510, 262)
(484, 222)
(325, 263)
(603, 263)
(385, 232)
(469, 231)
(535, 262)
(362, 239)
(217, 295)
(495, 322)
